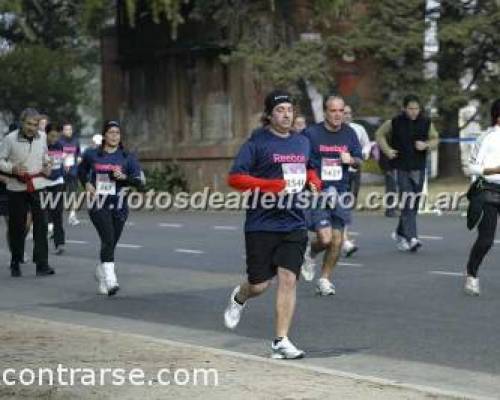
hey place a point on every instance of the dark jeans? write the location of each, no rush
(19, 205)
(391, 187)
(56, 213)
(410, 184)
(486, 236)
(109, 226)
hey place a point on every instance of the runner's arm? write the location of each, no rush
(5, 166)
(382, 135)
(313, 178)
(84, 169)
(134, 176)
(240, 177)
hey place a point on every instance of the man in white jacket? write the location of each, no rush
(23, 156)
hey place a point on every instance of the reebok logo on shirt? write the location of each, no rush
(289, 158)
(333, 149)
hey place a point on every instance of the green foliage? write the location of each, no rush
(169, 178)
(287, 65)
(50, 52)
(391, 32)
(42, 78)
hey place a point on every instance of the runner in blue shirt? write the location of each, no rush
(55, 187)
(334, 148)
(273, 160)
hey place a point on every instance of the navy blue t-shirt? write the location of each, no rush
(326, 147)
(55, 152)
(71, 150)
(97, 167)
(268, 156)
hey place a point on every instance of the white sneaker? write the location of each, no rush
(50, 230)
(415, 244)
(308, 268)
(99, 277)
(110, 280)
(233, 311)
(348, 248)
(285, 350)
(401, 243)
(324, 287)
(72, 219)
(471, 286)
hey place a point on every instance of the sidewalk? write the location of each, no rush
(34, 343)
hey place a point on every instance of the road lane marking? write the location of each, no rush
(189, 251)
(170, 225)
(225, 228)
(346, 264)
(427, 237)
(129, 246)
(446, 273)
(77, 242)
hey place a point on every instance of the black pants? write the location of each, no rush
(109, 226)
(19, 204)
(486, 236)
(56, 213)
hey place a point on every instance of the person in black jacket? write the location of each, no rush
(405, 141)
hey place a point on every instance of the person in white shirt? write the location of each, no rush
(348, 245)
(485, 163)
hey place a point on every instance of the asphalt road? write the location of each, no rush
(397, 316)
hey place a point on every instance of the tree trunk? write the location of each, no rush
(449, 153)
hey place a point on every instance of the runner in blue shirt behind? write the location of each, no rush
(105, 172)
(273, 160)
(71, 159)
(334, 148)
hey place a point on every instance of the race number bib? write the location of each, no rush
(331, 169)
(104, 185)
(56, 159)
(295, 176)
(69, 160)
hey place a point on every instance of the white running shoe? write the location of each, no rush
(72, 219)
(110, 280)
(285, 350)
(324, 287)
(471, 286)
(415, 244)
(50, 230)
(349, 248)
(401, 243)
(233, 311)
(99, 277)
(308, 268)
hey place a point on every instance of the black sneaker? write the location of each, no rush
(44, 270)
(15, 270)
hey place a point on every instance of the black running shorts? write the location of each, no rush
(266, 251)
